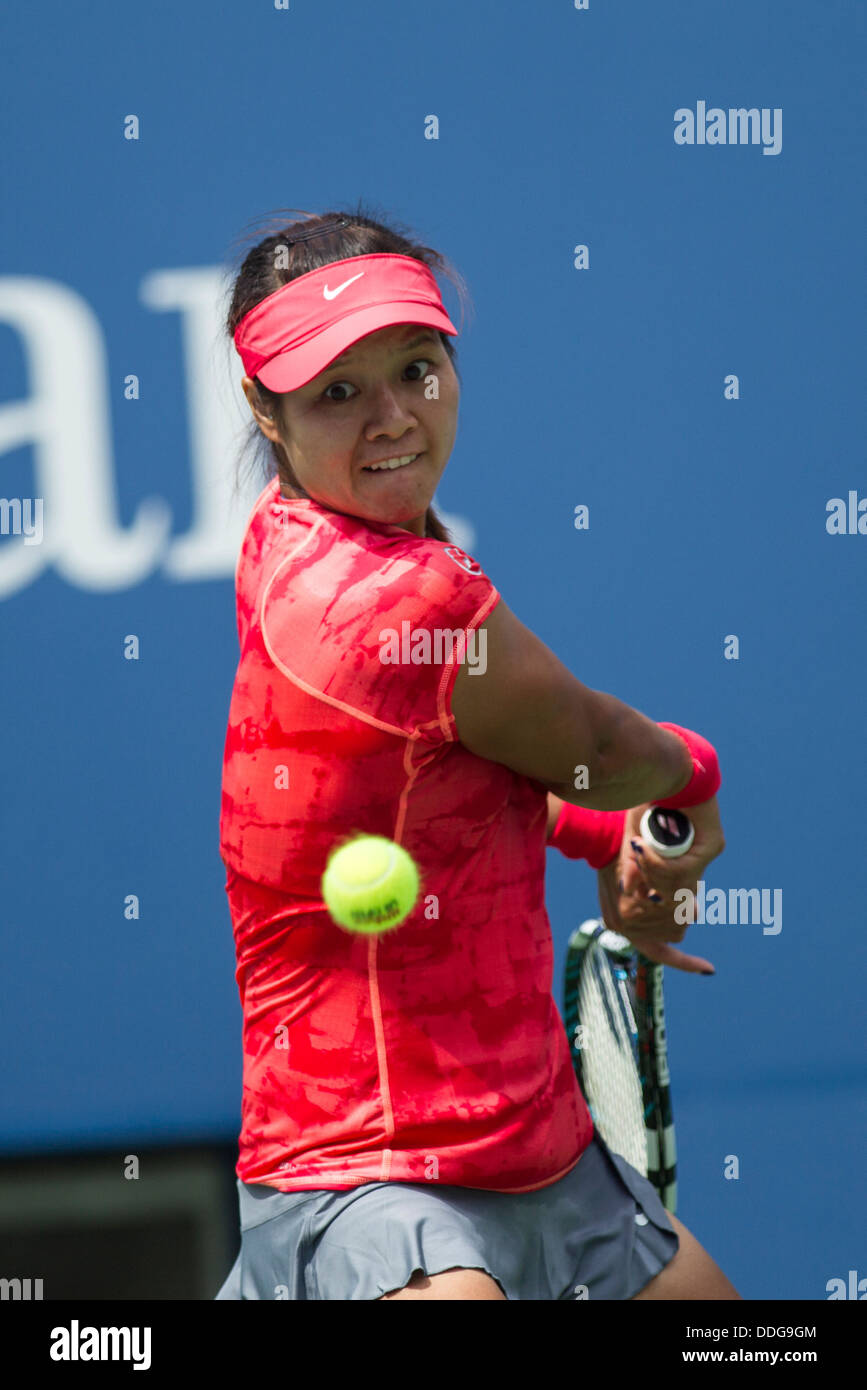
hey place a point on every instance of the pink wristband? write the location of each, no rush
(592, 835)
(706, 780)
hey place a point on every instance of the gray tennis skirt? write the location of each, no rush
(599, 1232)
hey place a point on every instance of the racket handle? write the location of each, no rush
(667, 831)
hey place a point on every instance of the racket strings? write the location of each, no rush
(605, 1048)
(615, 1023)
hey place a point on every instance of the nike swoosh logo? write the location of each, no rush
(332, 294)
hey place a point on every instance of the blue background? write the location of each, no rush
(602, 387)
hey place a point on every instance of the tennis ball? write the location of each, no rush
(370, 884)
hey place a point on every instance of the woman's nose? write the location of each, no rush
(387, 406)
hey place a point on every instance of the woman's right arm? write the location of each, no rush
(528, 712)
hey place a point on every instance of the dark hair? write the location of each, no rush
(273, 262)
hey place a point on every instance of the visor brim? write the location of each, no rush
(297, 366)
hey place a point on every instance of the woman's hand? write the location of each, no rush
(626, 884)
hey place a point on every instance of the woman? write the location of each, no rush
(412, 1127)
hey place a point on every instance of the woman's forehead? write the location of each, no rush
(394, 336)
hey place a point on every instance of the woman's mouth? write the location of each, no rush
(392, 465)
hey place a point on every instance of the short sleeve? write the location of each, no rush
(383, 636)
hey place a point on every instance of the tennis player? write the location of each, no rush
(411, 1123)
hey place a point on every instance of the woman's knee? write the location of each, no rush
(690, 1274)
(456, 1283)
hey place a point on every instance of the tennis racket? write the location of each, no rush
(615, 1020)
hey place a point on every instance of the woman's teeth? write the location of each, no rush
(391, 464)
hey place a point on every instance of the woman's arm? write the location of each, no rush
(528, 712)
(555, 806)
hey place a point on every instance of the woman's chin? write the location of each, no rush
(396, 511)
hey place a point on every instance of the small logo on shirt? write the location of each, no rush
(465, 561)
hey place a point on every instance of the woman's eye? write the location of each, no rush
(420, 361)
(334, 385)
(342, 385)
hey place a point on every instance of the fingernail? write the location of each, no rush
(637, 846)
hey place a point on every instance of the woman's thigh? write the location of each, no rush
(690, 1274)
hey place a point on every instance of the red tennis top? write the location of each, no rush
(436, 1052)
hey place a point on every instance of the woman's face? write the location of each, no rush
(371, 404)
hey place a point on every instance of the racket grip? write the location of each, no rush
(667, 831)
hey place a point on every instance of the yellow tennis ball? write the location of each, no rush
(370, 884)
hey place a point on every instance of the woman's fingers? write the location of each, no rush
(643, 895)
(643, 871)
(663, 954)
(658, 875)
(633, 876)
(649, 925)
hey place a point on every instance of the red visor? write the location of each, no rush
(294, 333)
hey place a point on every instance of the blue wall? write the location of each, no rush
(603, 386)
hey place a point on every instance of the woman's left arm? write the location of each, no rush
(555, 806)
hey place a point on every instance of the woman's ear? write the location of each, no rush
(261, 413)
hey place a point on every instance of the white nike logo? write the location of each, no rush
(332, 294)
